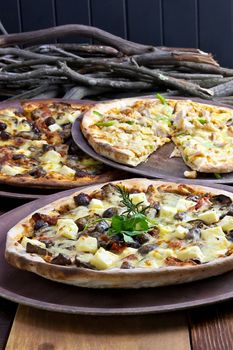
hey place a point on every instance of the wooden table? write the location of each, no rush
(25, 328)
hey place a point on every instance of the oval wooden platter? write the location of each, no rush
(159, 164)
(29, 289)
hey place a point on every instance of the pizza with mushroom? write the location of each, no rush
(36, 148)
(128, 234)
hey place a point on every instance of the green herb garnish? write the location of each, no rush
(217, 176)
(133, 222)
(130, 122)
(161, 99)
(98, 113)
(202, 121)
(109, 123)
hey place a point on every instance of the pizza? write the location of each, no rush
(128, 234)
(129, 130)
(36, 148)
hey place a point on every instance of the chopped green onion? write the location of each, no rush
(202, 121)
(217, 176)
(109, 123)
(98, 113)
(161, 99)
(130, 122)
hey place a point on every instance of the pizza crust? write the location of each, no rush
(114, 278)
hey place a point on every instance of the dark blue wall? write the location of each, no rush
(206, 24)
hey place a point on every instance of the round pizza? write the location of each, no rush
(129, 130)
(128, 234)
(36, 147)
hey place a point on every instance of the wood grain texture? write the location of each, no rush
(212, 327)
(52, 331)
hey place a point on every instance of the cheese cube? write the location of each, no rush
(51, 156)
(164, 230)
(188, 253)
(103, 259)
(183, 204)
(67, 171)
(72, 117)
(23, 126)
(213, 232)
(87, 244)
(54, 127)
(139, 198)
(12, 170)
(167, 212)
(209, 217)
(27, 240)
(52, 167)
(162, 253)
(128, 251)
(95, 204)
(226, 223)
(67, 228)
(180, 232)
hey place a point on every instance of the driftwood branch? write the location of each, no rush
(125, 46)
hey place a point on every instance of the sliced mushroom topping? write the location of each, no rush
(108, 213)
(194, 234)
(50, 121)
(61, 259)
(32, 248)
(39, 224)
(145, 249)
(3, 126)
(126, 265)
(82, 199)
(4, 136)
(221, 199)
(37, 172)
(80, 263)
(102, 226)
(81, 223)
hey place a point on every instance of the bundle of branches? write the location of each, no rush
(112, 65)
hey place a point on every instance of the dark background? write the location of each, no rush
(207, 24)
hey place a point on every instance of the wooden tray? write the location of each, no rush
(29, 289)
(159, 165)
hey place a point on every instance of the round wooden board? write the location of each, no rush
(159, 164)
(29, 289)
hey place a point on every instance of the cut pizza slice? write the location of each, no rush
(130, 130)
(203, 134)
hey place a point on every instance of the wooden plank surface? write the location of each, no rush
(211, 328)
(53, 331)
